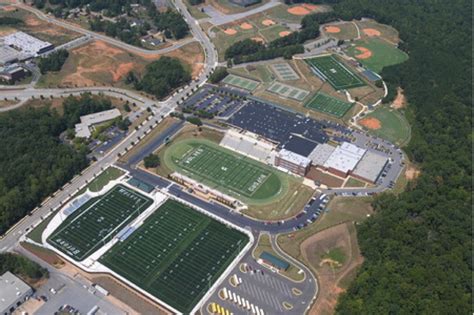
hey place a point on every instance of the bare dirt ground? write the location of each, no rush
(365, 53)
(371, 123)
(332, 276)
(412, 172)
(332, 29)
(324, 178)
(44, 254)
(400, 101)
(371, 32)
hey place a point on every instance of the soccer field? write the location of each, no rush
(336, 73)
(176, 255)
(98, 221)
(221, 168)
(328, 105)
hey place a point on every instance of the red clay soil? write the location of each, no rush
(365, 53)
(371, 32)
(371, 123)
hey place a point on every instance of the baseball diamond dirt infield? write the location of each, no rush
(98, 221)
(176, 254)
(328, 105)
(332, 70)
(387, 123)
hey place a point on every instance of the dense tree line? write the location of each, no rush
(163, 76)
(218, 74)
(121, 29)
(54, 61)
(418, 245)
(196, 2)
(74, 107)
(6, 20)
(248, 50)
(21, 266)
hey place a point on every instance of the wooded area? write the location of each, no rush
(21, 266)
(417, 248)
(54, 61)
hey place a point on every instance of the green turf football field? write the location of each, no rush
(98, 221)
(328, 105)
(176, 255)
(221, 168)
(337, 74)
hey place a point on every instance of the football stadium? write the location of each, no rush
(223, 169)
(176, 255)
(330, 69)
(97, 221)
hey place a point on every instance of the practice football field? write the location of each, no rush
(98, 221)
(337, 74)
(328, 105)
(220, 168)
(176, 255)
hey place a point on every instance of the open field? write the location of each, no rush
(353, 182)
(223, 169)
(38, 28)
(176, 255)
(289, 14)
(240, 82)
(387, 123)
(226, 7)
(98, 63)
(375, 53)
(342, 31)
(97, 221)
(264, 245)
(340, 76)
(328, 105)
(370, 28)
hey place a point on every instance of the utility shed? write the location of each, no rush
(274, 261)
(13, 292)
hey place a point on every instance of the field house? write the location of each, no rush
(330, 69)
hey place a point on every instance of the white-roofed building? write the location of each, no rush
(344, 159)
(13, 292)
(8, 54)
(370, 166)
(83, 129)
(292, 162)
(321, 153)
(27, 44)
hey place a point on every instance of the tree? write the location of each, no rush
(218, 74)
(54, 61)
(195, 121)
(151, 161)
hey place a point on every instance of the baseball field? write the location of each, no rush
(176, 255)
(97, 221)
(333, 71)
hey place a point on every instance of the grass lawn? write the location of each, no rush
(176, 254)
(264, 245)
(353, 182)
(341, 209)
(195, 11)
(336, 254)
(347, 31)
(273, 32)
(383, 53)
(393, 125)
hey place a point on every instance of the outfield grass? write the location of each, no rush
(97, 221)
(328, 105)
(394, 126)
(223, 169)
(340, 76)
(176, 255)
(383, 53)
(273, 32)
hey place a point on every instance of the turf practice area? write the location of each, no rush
(98, 221)
(328, 105)
(288, 91)
(223, 169)
(336, 73)
(176, 255)
(240, 82)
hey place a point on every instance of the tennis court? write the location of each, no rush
(223, 169)
(284, 72)
(241, 82)
(288, 91)
(328, 105)
(176, 255)
(97, 221)
(330, 69)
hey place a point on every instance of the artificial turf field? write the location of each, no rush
(241, 82)
(328, 105)
(221, 168)
(98, 221)
(176, 255)
(337, 74)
